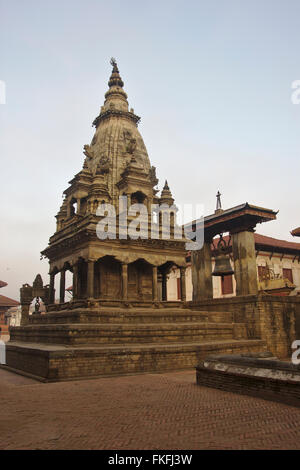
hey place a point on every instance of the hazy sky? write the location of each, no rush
(210, 79)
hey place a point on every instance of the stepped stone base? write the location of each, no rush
(78, 342)
(51, 363)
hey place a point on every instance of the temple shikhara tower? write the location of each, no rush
(116, 165)
(119, 319)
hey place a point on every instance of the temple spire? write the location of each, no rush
(166, 186)
(166, 195)
(115, 103)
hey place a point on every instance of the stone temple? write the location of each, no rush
(119, 320)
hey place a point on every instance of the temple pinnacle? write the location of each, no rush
(113, 62)
(115, 79)
(166, 186)
(219, 204)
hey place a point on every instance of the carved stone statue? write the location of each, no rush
(152, 175)
(37, 306)
(127, 135)
(85, 164)
(88, 152)
(131, 146)
(103, 165)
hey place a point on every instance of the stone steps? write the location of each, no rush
(113, 315)
(122, 333)
(51, 363)
(92, 342)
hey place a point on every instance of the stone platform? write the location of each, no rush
(105, 340)
(260, 375)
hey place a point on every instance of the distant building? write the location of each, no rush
(278, 270)
(14, 315)
(5, 304)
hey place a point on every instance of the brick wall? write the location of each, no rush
(70, 363)
(263, 387)
(273, 319)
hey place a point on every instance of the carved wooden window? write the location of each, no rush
(288, 274)
(227, 284)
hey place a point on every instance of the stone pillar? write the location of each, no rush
(24, 313)
(68, 209)
(62, 286)
(51, 289)
(124, 281)
(164, 287)
(78, 206)
(75, 281)
(182, 284)
(243, 249)
(154, 283)
(202, 273)
(90, 279)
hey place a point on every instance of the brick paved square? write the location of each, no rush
(151, 411)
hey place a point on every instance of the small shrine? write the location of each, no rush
(240, 223)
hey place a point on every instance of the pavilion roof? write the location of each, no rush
(7, 302)
(270, 243)
(296, 232)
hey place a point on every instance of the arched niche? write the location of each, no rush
(140, 280)
(107, 278)
(163, 271)
(72, 207)
(138, 198)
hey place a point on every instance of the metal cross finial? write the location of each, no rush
(219, 205)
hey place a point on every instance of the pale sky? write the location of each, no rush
(211, 81)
